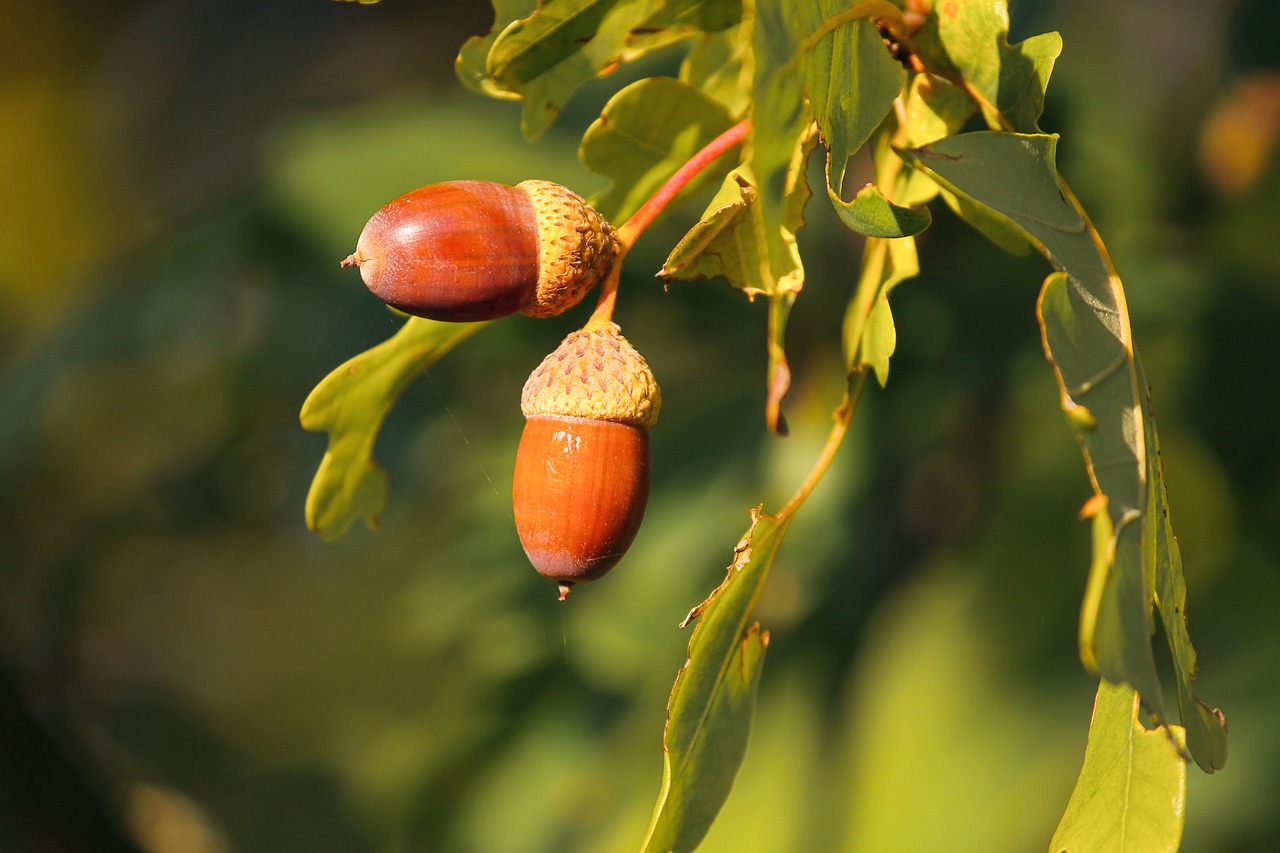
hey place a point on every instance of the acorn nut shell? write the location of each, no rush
(581, 479)
(476, 250)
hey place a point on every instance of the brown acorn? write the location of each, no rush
(474, 250)
(581, 478)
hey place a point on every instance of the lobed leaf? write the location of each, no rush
(713, 700)
(644, 134)
(1130, 796)
(970, 40)
(350, 404)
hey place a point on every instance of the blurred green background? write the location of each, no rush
(185, 669)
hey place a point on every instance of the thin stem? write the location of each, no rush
(642, 218)
(631, 230)
(842, 416)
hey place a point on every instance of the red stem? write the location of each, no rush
(631, 230)
(642, 218)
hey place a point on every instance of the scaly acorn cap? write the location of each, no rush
(595, 373)
(576, 247)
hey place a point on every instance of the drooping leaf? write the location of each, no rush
(970, 40)
(1206, 727)
(1087, 339)
(544, 57)
(646, 132)
(1131, 793)
(713, 699)
(350, 404)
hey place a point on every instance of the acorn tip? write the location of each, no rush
(564, 590)
(354, 259)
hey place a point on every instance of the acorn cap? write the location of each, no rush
(595, 373)
(576, 247)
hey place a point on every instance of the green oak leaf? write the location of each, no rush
(712, 702)
(1084, 323)
(970, 40)
(645, 133)
(545, 57)
(715, 65)
(350, 404)
(1131, 794)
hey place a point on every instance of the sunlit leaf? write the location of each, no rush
(713, 700)
(1087, 339)
(1131, 793)
(728, 241)
(646, 132)
(971, 41)
(544, 57)
(350, 404)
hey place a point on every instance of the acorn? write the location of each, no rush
(475, 250)
(581, 477)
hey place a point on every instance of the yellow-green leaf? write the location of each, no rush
(1131, 793)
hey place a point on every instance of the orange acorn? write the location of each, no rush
(475, 250)
(581, 477)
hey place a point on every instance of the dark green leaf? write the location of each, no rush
(1206, 727)
(851, 82)
(350, 404)
(1085, 327)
